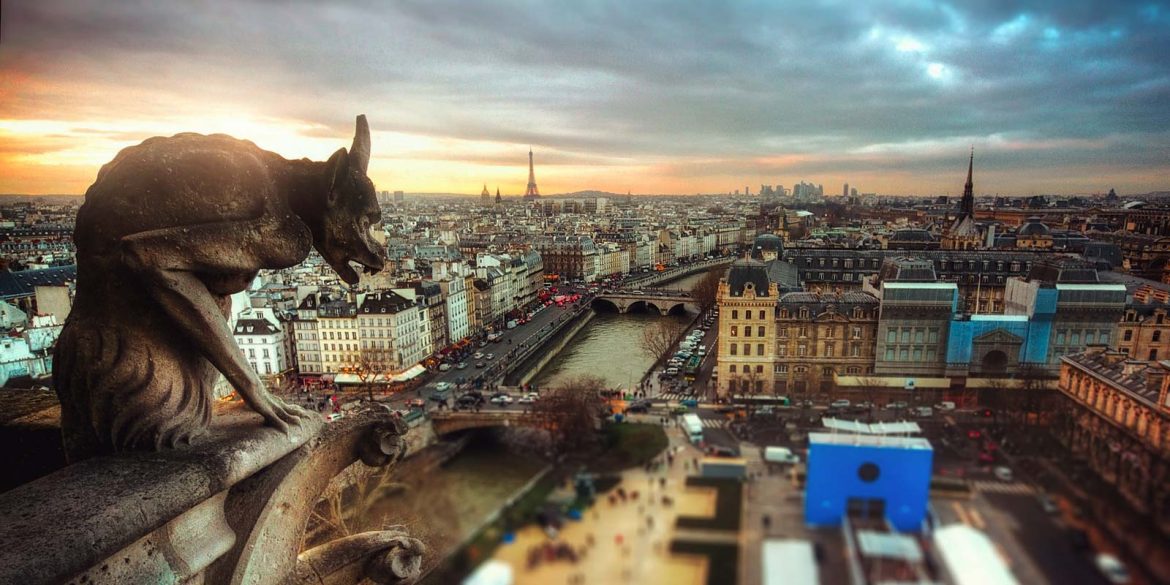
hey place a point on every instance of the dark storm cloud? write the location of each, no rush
(719, 81)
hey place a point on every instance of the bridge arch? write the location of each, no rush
(606, 304)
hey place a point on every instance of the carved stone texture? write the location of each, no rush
(171, 228)
(386, 557)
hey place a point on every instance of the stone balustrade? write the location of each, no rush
(232, 510)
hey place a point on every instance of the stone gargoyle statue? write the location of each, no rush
(171, 228)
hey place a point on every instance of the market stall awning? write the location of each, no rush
(408, 374)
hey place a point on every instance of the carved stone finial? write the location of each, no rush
(382, 445)
(387, 557)
(169, 230)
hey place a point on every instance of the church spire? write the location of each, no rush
(967, 205)
(498, 199)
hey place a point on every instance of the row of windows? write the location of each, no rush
(747, 349)
(858, 313)
(905, 354)
(1090, 336)
(829, 350)
(911, 335)
(747, 314)
(746, 386)
(747, 331)
(830, 331)
(252, 353)
(267, 368)
(746, 369)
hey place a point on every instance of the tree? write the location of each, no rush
(660, 337)
(373, 368)
(707, 289)
(570, 413)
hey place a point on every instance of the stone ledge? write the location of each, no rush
(67, 522)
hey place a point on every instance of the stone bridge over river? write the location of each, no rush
(663, 301)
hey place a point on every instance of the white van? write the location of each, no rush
(780, 455)
(945, 405)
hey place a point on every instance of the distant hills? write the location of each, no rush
(51, 199)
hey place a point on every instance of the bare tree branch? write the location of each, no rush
(657, 339)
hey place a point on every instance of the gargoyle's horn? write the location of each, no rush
(359, 153)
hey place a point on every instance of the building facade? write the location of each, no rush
(822, 336)
(1116, 417)
(747, 330)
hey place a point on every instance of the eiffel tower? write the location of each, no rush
(532, 192)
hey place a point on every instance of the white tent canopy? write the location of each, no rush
(878, 428)
(491, 573)
(970, 557)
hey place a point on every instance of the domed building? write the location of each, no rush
(767, 247)
(1034, 234)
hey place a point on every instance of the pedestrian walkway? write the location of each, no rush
(675, 396)
(999, 487)
(714, 423)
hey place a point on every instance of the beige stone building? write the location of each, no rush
(747, 330)
(822, 336)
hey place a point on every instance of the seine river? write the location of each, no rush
(609, 347)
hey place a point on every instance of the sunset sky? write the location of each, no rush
(1056, 96)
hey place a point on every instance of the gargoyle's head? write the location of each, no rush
(351, 208)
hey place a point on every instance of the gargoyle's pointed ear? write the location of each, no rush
(360, 151)
(337, 168)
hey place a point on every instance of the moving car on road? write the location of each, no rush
(1112, 568)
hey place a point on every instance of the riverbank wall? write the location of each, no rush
(529, 366)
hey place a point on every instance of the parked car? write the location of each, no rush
(896, 405)
(489, 357)
(478, 355)
(722, 451)
(671, 371)
(529, 398)
(460, 365)
(638, 407)
(469, 401)
(502, 399)
(1048, 504)
(924, 411)
(417, 403)
(444, 367)
(444, 386)
(1112, 568)
(690, 403)
(840, 403)
(1003, 473)
(480, 364)
(945, 405)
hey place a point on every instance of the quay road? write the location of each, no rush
(535, 331)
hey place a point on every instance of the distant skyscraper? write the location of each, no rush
(399, 196)
(845, 190)
(853, 191)
(532, 192)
